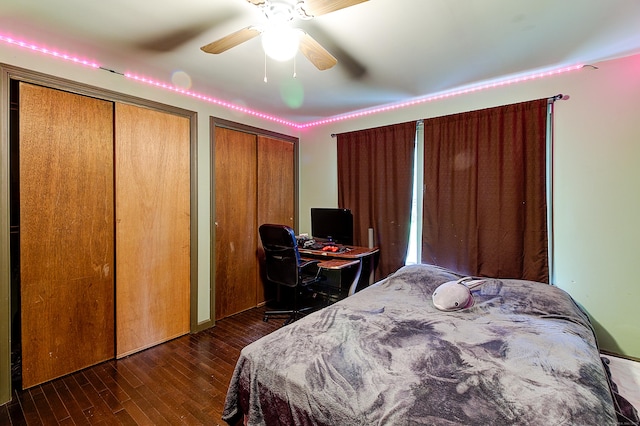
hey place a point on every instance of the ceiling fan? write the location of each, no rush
(279, 40)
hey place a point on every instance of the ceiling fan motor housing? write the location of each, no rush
(284, 11)
(278, 13)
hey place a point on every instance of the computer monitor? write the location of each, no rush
(332, 224)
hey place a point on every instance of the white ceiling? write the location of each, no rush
(388, 51)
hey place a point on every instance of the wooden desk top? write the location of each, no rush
(333, 263)
(352, 252)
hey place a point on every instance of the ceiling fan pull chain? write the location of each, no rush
(265, 67)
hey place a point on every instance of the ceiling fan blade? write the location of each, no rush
(232, 40)
(352, 66)
(314, 52)
(322, 7)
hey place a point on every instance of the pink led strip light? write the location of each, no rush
(444, 95)
(209, 99)
(362, 113)
(310, 124)
(49, 52)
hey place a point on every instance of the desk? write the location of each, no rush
(353, 255)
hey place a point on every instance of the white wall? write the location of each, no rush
(597, 200)
(596, 177)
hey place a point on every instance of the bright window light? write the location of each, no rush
(414, 251)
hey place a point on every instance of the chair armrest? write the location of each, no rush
(307, 262)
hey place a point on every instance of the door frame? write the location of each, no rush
(232, 125)
(9, 73)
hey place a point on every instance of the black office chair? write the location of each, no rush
(284, 267)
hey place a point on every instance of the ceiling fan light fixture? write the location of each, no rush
(281, 43)
(300, 9)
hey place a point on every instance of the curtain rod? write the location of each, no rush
(558, 97)
(333, 135)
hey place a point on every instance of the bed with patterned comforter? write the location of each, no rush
(524, 353)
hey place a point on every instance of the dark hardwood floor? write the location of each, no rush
(183, 381)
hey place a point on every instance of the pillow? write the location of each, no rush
(455, 295)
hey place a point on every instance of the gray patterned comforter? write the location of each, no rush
(523, 354)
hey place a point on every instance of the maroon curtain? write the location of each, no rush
(485, 209)
(375, 180)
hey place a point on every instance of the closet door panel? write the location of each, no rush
(276, 185)
(236, 232)
(276, 189)
(66, 232)
(152, 227)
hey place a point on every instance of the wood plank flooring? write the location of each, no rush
(183, 381)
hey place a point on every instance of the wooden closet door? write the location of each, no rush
(236, 232)
(66, 232)
(152, 227)
(276, 189)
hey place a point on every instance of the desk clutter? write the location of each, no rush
(306, 242)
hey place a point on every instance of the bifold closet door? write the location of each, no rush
(276, 181)
(66, 232)
(236, 232)
(255, 184)
(276, 189)
(152, 227)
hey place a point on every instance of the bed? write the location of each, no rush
(524, 353)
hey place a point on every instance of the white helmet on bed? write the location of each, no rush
(455, 295)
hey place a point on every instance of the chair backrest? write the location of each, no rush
(281, 254)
